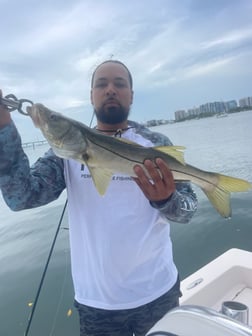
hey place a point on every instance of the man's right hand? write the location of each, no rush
(5, 117)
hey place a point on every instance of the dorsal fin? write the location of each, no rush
(173, 151)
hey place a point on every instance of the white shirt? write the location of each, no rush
(121, 252)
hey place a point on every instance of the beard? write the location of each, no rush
(112, 115)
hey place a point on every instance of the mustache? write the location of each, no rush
(110, 100)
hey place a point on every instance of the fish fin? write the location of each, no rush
(220, 195)
(174, 151)
(101, 178)
(233, 184)
(220, 200)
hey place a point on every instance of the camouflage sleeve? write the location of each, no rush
(22, 186)
(182, 205)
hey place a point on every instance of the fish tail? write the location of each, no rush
(219, 195)
(233, 184)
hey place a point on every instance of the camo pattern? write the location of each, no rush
(137, 321)
(24, 187)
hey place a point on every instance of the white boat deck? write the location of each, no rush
(227, 278)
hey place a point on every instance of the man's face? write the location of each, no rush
(111, 94)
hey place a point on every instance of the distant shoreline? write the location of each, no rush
(152, 123)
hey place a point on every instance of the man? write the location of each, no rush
(123, 272)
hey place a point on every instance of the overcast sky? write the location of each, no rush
(182, 53)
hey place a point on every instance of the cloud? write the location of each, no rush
(208, 67)
(52, 48)
(231, 38)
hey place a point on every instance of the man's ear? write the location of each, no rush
(91, 97)
(132, 96)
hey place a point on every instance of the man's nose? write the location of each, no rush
(110, 90)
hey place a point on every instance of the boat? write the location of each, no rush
(216, 301)
(221, 115)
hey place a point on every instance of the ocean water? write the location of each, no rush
(214, 144)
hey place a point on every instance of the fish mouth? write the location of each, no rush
(34, 112)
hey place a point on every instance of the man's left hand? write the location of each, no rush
(161, 185)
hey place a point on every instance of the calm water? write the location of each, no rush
(222, 145)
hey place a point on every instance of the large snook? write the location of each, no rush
(105, 155)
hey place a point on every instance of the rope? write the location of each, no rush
(60, 299)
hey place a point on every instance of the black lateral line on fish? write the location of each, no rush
(188, 174)
(199, 178)
(117, 153)
(139, 162)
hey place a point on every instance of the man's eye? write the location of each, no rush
(120, 85)
(100, 85)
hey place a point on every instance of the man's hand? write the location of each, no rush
(5, 117)
(161, 186)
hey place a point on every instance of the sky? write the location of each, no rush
(181, 53)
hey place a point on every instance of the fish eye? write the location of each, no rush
(53, 117)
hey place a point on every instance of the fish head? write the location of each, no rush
(52, 124)
(66, 136)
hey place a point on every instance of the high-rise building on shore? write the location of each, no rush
(245, 102)
(212, 108)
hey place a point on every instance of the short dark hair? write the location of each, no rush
(117, 62)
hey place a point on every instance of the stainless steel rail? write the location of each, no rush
(192, 320)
